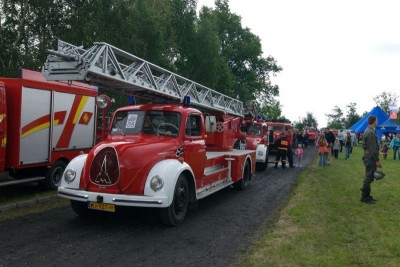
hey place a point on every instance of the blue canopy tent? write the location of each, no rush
(388, 126)
(361, 125)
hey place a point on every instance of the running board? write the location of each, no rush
(212, 188)
(21, 181)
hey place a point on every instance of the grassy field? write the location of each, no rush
(325, 224)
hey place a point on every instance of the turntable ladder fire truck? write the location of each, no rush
(167, 154)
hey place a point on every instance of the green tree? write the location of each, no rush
(26, 28)
(352, 116)
(335, 119)
(242, 53)
(271, 109)
(385, 99)
(309, 120)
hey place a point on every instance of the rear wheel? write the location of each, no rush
(176, 212)
(54, 175)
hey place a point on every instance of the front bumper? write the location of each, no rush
(115, 199)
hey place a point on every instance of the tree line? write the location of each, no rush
(210, 47)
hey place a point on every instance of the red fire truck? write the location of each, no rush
(43, 125)
(164, 155)
(312, 133)
(257, 139)
(275, 128)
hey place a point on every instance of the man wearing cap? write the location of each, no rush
(282, 146)
(370, 159)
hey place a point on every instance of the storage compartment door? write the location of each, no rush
(74, 121)
(35, 126)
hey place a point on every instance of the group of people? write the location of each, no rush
(330, 146)
(284, 150)
(395, 145)
(370, 158)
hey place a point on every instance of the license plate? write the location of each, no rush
(101, 206)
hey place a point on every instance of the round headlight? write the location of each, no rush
(156, 183)
(103, 101)
(69, 175)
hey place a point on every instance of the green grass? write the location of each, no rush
(15, 193)
(325, 224)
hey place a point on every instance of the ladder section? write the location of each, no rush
(108, 67)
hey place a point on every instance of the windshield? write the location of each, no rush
(153, 122)
(254, 129)
(275, 128)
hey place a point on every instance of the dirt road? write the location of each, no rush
(217, 233)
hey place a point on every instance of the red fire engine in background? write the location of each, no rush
(275, 128)
(43, 125)
(312, 133)
(257, 138)
(166, 154)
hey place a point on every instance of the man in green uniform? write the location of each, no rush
(370, 159)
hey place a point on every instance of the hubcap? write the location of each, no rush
(180, 199)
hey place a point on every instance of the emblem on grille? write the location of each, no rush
(104, 170)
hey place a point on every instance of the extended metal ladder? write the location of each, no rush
(101, 65)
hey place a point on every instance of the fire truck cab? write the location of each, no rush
(312, 133)
(275, 128)
(257, 138)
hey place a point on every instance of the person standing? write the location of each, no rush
(299, 155)
(300, 138)
(370, 159)
(384, 151)
(305, 139)
(341, 139)
(322, 149)
(395, 145)
(348, 144)
(336, 147)
(330, 138)
(289, 138)
(282, 146)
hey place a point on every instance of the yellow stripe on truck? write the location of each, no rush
(80, 108)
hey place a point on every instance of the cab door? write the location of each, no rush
(195, 146)
(3, 126)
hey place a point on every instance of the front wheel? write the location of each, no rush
(261, 166)
(176, 212)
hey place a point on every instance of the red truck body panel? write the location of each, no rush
(46, 121)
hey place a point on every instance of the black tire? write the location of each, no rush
(175, 214)
(261, 166)
(54, 175)
(80, 208)
(244, 182)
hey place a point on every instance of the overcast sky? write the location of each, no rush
(332, 52)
